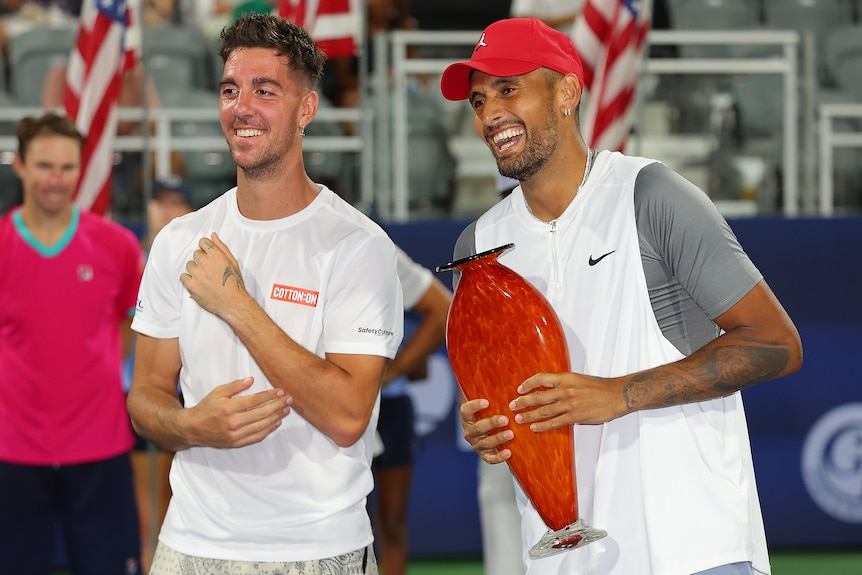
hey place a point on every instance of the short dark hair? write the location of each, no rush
(279, 34)
(49, 124)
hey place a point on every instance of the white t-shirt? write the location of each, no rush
(327, 277)
(415, 278)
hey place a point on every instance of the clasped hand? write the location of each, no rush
(546, 401)
(212, 276)
(226, 419)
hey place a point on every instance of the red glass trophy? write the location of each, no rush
(500, 331)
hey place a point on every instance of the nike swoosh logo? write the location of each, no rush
(593, 262)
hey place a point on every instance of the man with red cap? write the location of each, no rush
(665, 316)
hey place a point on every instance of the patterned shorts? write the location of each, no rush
(168, 561)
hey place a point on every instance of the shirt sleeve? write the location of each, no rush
(133, 265)
(364, 313)
(684, 228)
(161, 293)
(415, 278)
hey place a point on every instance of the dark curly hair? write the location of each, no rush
(279, 34)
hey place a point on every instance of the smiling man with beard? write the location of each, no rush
(665, 316)
(278, 307)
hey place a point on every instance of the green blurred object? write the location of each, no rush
(839, 562)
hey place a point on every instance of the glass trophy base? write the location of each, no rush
(572, 536)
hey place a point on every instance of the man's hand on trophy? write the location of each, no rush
(552, 400)
(486, 435)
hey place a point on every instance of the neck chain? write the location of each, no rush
(591, 153)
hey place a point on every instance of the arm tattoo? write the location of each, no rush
(715, 372)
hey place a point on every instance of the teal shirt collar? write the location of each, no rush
(47, 251)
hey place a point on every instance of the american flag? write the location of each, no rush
(610, 36)
(335, 25)
(104, 50)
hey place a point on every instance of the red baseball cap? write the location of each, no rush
(513, 47)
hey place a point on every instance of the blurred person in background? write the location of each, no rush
(429, 299)
(170, 198)
(19, 16)
(66, 302)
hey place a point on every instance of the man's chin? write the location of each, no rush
(258, 170)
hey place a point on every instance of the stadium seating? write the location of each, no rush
(176, 57)
(816, 17)
(32, 54)
(324, 167)
(208, 172)
(842, 49)
(431, 165)
(713, 15)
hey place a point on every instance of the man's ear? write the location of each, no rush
(308, 109)
(17, 165)
(572, 91)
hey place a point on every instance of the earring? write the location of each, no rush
(302, 130)
(567, 112)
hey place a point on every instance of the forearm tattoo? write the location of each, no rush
(716, 372)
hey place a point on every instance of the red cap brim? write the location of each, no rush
(455, 82)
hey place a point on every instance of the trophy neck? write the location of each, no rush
(488, 256)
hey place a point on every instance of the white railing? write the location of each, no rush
(402, 68)
(830, 139)
(786, 65)
(384, 171)
(163, 141)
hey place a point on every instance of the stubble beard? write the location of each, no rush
(527, 164)
(268, 164)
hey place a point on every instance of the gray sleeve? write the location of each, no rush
(465, 246)
(695, 267)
